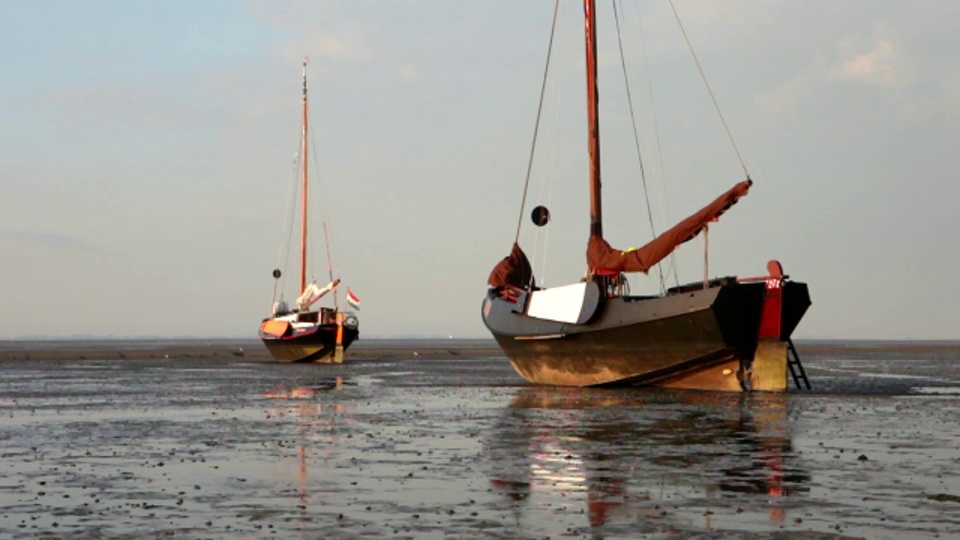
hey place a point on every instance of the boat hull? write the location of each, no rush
(703, 338)
(317, 345)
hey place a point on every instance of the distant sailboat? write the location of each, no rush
(720, 334)
(307, 333)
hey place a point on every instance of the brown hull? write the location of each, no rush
(317, 347)
(694, 339)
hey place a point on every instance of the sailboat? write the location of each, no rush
(724, 334)
(306, 332)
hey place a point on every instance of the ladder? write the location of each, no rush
(796, 368)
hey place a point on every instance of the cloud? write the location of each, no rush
(410, 73)
(185, 105)
(803, 80)
(335, 47)
(731, 12)
(136, 109)
(874, 61)
(48, 240)
(783, 97)
(343, 44)
(876, 66)
(947, 97)
(320, 31)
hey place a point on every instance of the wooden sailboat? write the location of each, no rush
(307, 333)
(720, 334)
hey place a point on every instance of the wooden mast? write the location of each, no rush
(593, 119)
(303, 209)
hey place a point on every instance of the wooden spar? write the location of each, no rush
(593, 117)
(303, 210)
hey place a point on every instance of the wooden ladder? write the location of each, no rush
(796, 368)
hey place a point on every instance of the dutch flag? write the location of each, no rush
(353, 300)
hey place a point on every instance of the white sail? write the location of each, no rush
(312, 293)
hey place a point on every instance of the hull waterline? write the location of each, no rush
(315, 347)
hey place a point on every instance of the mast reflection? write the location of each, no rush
(316, 423)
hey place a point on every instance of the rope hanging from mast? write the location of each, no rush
(664, 207)
(536, 126)
(326, 239)
(324, 218)
(709, 90)
(286, 230)
(324, 213)
(549, 163)
(636, 135)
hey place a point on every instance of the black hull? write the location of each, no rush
(643, 340)
(318, 346)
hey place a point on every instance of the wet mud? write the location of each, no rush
(460, 447)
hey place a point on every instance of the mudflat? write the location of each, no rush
(134, 349)
(458, 446)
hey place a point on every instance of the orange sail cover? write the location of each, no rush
(600, 256)
(514, 270)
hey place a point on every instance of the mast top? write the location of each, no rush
(305, 60)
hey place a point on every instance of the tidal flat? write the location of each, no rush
(446, 441)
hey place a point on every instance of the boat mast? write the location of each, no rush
(593, 118)
(303, 210)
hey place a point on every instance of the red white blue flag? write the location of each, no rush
(353, 300)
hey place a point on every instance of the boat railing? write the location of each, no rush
(774, 278)
(754, 279)
(511, 293)
(613, 283)
(699, 285)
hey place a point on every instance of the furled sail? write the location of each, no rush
(600, 256)
(312, 293)
(514, 270)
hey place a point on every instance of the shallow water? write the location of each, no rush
(461, 448)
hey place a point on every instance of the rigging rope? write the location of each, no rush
(549, 164)
(326, 239)
(283, 253)
(636, 135)
(661, 198)
(324, 214)
(536, 127)
(709, 90)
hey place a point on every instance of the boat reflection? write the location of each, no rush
(655, 456)
(316, 423)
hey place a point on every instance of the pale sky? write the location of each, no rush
(147, 151)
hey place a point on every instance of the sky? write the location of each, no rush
(148, 148)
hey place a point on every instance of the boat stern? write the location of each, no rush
(784, 305)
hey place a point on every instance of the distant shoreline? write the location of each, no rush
(364, 349)
(252, 349)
